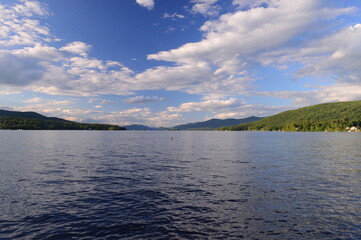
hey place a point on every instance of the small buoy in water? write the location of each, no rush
(171, 138)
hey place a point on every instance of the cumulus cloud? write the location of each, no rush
(227, 108)
(10, 90)
(248, 110)
(146, 3)
(143, 99)
(100, 101)
(19, 26)
(65, 109)
(339, 56)
(219, 64)
(33, 100)
(197, 78)
(27, 60)
(77, 48)
(39, 52)
(47, 70)
(205, 7)
(173, 16)
(139, 116)
(322, 94)
(19, 70)
(237, 43)
(50, 107)
(231, 115)
(55, 108)
(29, 8)
(165, 119)
(253, 3)
(85, 77)
(207, 106)
(40, 102)
(243, 34)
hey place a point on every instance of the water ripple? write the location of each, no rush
(202, 185)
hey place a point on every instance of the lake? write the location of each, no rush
(179, 185)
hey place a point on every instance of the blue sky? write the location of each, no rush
(168, 62)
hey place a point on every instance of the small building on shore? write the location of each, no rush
(353, 129)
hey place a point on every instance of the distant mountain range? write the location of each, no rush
(338, 116)
(33, 120)
(211, 124)
(36, 121)
(215, 123)
(140, 127)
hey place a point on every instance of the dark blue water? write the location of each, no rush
(200, 185)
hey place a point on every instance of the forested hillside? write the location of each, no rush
(36, 121)
(340, 116)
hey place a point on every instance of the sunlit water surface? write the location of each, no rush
(200, 185)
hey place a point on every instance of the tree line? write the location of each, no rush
(37, 124)
(339, 116)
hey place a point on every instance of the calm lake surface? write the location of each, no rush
(200, 185)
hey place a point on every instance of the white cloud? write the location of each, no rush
(18, 70)
(227, 108)
(125, 117)
(32, 64)
(323, 94)
(50, 107)
(33, 100)
(237, 42)
(143, 99)
(173, 16)
(99, 101)
(122, 118)
(249, 110)
(55, 108)
(29, 8)
(217, 65)
(165, 119)
(205, 7)
(146, 3)
(197, 78)
(339, 56)
(45, 69)
(207, 106)
(41, 102)
(231, 115)
(106, 102)
(18, 26)
(170, 29)
(41, 52)
(10, 90)
(77, 48)
(243, 34)
(253, 3)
